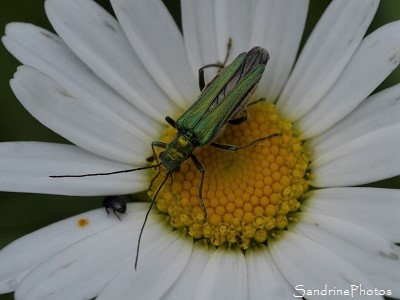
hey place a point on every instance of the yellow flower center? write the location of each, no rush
(248, 193)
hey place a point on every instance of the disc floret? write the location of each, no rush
(249, 193)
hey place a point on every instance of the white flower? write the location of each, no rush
(107, 85)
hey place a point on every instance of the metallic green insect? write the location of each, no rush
(221, 101)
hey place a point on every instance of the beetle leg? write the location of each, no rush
(154, 178)
(202, 171)
(150, 158)
(170, 121)
(159, 145)
(236, 148)
(202, 81)
(256, 101)
(239, 120)
(115, 213)
(228, 51)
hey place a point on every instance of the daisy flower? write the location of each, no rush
(284, 217)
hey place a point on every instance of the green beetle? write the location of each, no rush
(221, 101)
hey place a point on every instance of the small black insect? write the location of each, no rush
(116, 203)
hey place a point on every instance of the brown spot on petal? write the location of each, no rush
(83, 222)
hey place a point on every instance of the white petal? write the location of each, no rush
(185, 285)
(160, 264)
(225, 276)
(308, 265)
(376, 57)
(19, 257)
(87, 124)
(26, 167)
(83, 269)
(372, 208)
(380, 110)
(188, 280)
(327, 52)
(198, 23)
(98, 39)
(159, 44)
(264, 277)
(371, 157)
(369, 252)
(233, 19)
(45, 51)
(272, 30)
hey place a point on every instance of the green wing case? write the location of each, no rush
(211, 123)
(196, 111)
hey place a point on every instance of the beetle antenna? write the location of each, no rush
(154, 178)
(145, 219)
(108, 173)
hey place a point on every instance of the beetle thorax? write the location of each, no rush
(176, 152)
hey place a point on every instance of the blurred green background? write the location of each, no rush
(24, 213)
